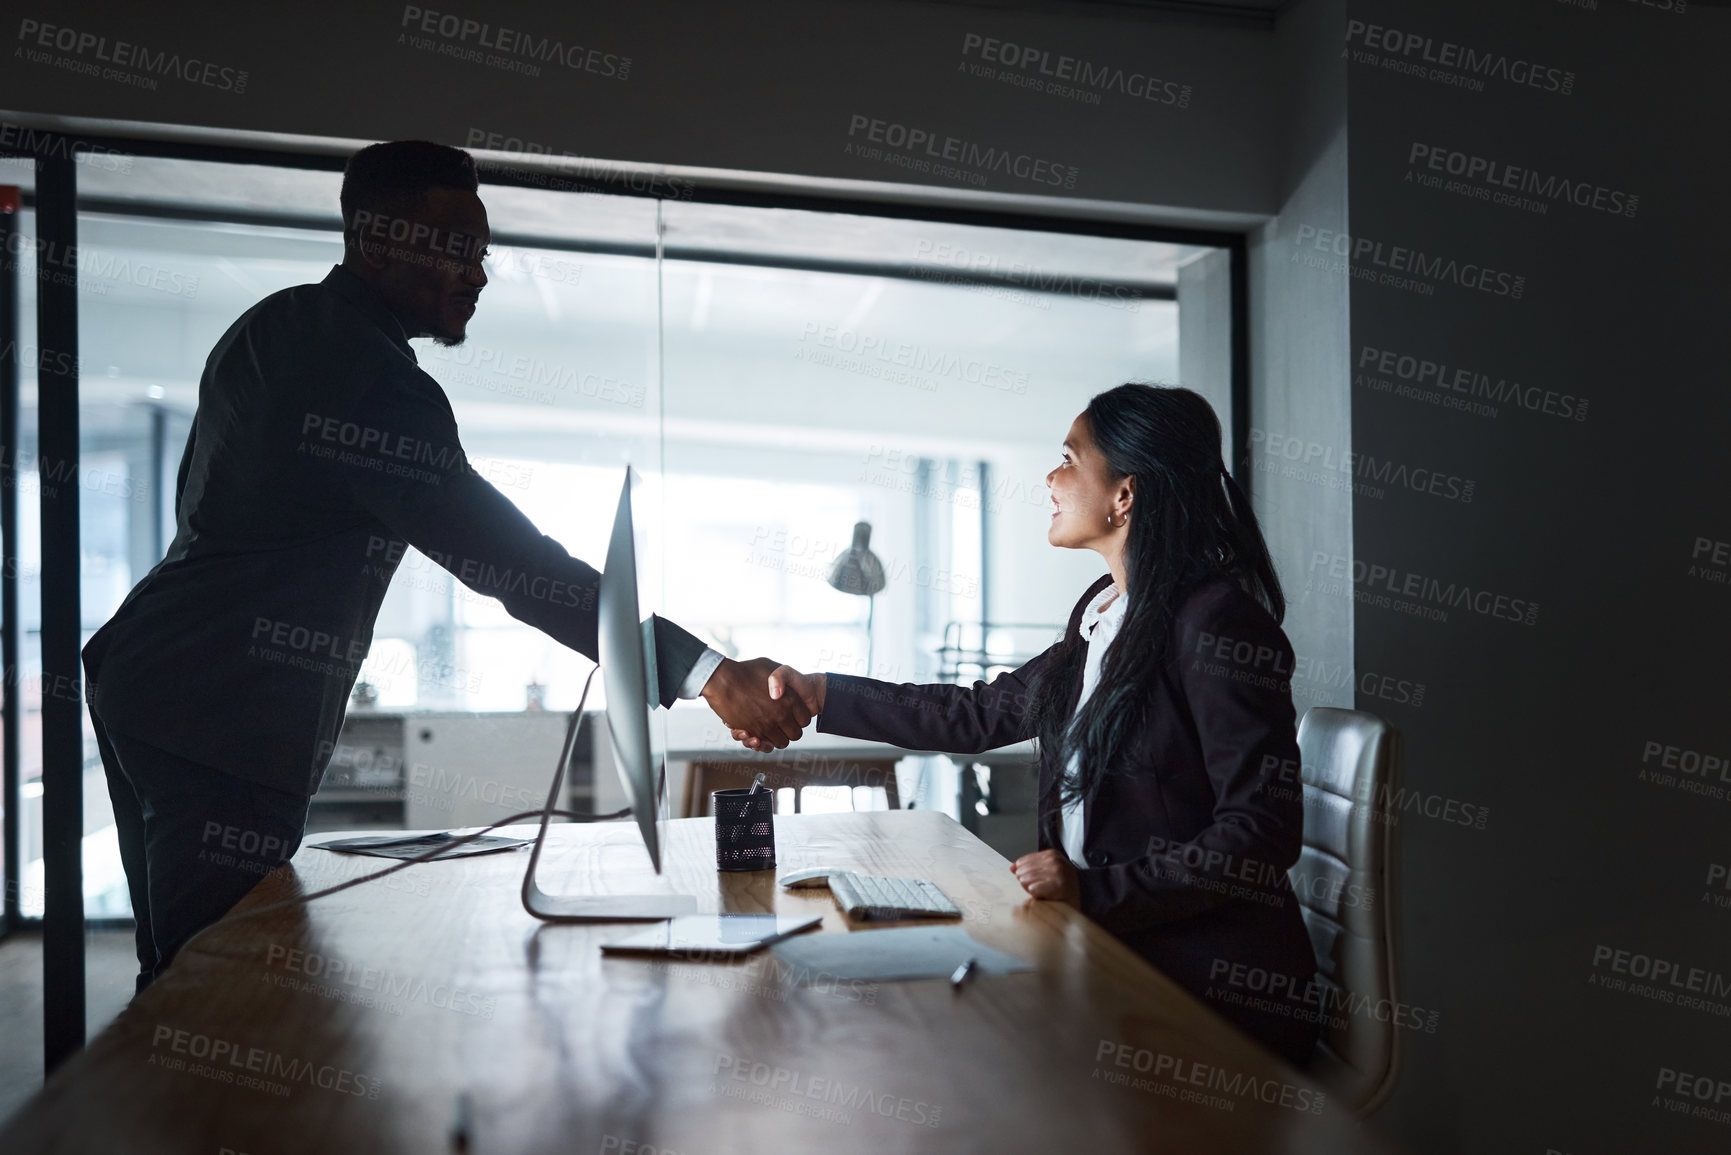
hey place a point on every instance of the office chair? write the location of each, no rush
(1349, 761)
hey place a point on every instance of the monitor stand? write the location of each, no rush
(589, 907)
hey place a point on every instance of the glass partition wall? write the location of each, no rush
(778, 375)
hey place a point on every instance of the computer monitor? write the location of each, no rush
(627, 650)
(627, 653)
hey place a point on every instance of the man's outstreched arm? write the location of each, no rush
(410, 472)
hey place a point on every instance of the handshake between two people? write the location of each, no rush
(766, 706)
(763, 704)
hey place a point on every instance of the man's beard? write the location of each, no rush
(449, 341)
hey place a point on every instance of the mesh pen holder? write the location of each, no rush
(744, 829)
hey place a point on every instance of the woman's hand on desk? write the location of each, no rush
(799, 690)
(1049, 875)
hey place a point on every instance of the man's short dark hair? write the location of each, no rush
(390, 179)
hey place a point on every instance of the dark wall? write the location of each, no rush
(1170, 113)
(1567, 619)
(1300, 400)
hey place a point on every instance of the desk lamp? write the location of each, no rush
(858, 571)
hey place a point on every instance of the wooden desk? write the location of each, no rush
(374, 1008)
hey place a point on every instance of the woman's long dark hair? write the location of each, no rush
(1189, 522)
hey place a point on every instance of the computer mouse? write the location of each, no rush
(799, 879)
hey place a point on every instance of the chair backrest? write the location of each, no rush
(1343, 879)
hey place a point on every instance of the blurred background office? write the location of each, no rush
(779, 375)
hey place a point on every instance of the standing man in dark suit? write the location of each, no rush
(318, 454)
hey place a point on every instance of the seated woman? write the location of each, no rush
(1163, 714)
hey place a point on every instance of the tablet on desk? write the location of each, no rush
(714, 936)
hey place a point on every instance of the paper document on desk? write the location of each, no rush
(913, 952)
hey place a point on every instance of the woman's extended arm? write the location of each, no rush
(1242, 710)
(937, 716)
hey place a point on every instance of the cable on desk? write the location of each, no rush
(524, 816)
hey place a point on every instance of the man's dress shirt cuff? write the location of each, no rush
(705, 665)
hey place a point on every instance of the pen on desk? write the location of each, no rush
(460, 1123)
(962, 973)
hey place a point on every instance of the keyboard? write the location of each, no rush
(868, 896)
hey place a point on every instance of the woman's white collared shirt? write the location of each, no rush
(1099, 625)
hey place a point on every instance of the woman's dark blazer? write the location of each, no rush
(1186, 848)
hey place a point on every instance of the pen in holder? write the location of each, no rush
(744, 828)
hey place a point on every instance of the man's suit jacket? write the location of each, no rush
(1187, 846)
(319, 449)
